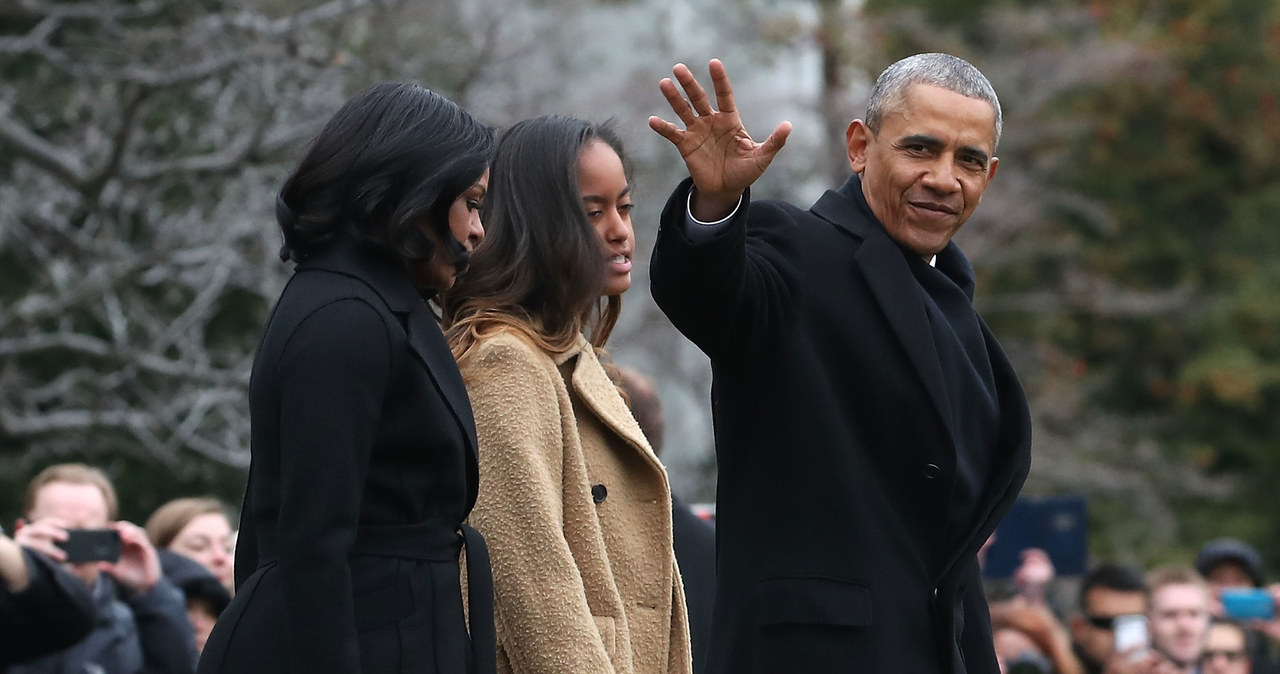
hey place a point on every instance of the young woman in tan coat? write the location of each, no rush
(574, 504)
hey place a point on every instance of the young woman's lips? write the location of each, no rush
(620, 263)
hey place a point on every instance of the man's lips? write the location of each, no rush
(935, 207)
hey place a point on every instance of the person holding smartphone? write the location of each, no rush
(43, 609)
(70, 517)
(1234, 571)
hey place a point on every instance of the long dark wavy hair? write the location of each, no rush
(540, 269)
(391, 158)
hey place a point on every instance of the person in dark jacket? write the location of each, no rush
(363, 442)
(205, 595)
(141, 624)
(43, 609)
(870, 431)
(1230, 563)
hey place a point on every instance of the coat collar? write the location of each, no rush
(884, 266)
(593, 385)
(383, 273)
(386, 276)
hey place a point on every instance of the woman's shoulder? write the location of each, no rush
(507, 349)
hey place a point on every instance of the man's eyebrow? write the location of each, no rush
(920, 139)
(934, 143)
(976, 152)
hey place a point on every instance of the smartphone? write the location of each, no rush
(1248, 604)
(1131, 634)
(91, 545)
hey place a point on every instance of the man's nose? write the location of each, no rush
(941, 176)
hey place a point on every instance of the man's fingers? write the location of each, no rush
(724, 90)
(40, 531)
(43, 546)
(776, 140)
(665, 129)
(677, 102)
(694, 91)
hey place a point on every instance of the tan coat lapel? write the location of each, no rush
(592, 384)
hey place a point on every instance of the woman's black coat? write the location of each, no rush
(363, 468)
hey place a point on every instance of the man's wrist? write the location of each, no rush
(13, 566)
(710, 207)
(706, 223)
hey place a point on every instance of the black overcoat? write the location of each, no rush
(363, 469)
(836, 460)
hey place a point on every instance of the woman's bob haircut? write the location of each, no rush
(391, 159)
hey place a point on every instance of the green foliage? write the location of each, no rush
(1185, 161)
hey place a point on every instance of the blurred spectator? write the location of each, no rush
(1108, 591)
(196, 547)
(206, 597)
(43, 609)
(1033, 576)
(141, 625)
(1178, 611)
(198, 528)
(1227, 562)
(1030, 640)
(1225, 649)
(694, 538)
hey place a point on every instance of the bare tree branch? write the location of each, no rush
(40, 152)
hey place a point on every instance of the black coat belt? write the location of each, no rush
(430, 541)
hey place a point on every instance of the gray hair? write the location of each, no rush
(939, 70)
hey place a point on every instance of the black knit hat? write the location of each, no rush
(195, 581)
(1221, 550)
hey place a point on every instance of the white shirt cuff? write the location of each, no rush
(697, 230)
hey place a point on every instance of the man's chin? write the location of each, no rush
(87, 573)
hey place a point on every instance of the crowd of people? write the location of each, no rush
(448, 473)
(1172, 619)
(151, 610)
(135, 600)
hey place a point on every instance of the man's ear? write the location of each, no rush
(991, 169)
(857, 138)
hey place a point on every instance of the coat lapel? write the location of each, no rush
(884, 267)
(601, 396)
(431, 348)
(885, 270)
(1012, 454)
(383, 275)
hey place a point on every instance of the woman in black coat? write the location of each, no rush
(363, 444)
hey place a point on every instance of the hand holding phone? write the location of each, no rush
(1252, 603)
(1131, 635)
(91, 545)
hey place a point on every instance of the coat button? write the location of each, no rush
(598, 493)
(931, 471)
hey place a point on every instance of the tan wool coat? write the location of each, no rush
(576, 510)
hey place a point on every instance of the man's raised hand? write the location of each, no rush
(722, 158)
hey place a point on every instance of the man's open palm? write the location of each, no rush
(722, 158)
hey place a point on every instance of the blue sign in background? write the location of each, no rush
(1056, 524)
